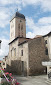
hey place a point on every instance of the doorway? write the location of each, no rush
(22, 67)
(46, 70)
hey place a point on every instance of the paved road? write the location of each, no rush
(33, 80)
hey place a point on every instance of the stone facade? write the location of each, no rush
(36, 56)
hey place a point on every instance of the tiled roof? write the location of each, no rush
(37, 36)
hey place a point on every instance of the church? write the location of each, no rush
(25, 54)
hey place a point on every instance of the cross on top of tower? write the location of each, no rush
(17, 9)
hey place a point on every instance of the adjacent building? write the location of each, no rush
(47, 39)
(4, 62)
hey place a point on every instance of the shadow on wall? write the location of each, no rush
(15, 67)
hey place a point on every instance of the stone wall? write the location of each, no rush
(15, 67)
(36, 56)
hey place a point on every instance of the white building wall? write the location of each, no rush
(49, 44)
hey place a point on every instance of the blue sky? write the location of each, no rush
(38, 19)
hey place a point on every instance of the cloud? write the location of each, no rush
(7, 2)
(45, 21)
(30, 35)
(7, 9)
(31, 2)
(42, 27)
(44, 4)
(4, 19)
(4, 48)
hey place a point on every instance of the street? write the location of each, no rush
(33, 80)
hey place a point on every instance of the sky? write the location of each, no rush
(38, 19)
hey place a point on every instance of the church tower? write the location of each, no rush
(17, 26)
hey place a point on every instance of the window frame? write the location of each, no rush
(46, 51)
(21, 52)
(45, 41)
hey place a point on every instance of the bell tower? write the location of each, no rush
(17, 26)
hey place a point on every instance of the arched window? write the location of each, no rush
(46, 51)
(22, 27)
(11, 53)
(19, 26)
(15, 52)
(19, 29)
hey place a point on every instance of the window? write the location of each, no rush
(22, 35)
(11, 53)
(45, 41)
(3, 63)
(15, 51)
(19, 30)
(50, 67)
(19, 26)
(22, 27)
(21, 52)
(46, 51)
(19, 35)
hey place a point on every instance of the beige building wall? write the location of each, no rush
(48, 69)
(15, 59)
(12, 30)
(48, 45)
(46, 38)
(25, 57)
(49, 39)
(20, 32)
(17, 28)
(12, 47)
